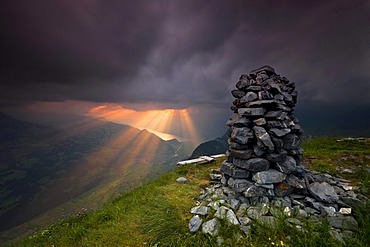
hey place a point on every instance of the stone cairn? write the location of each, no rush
(262, 175)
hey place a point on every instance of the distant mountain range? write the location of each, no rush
(212, 147)
(81, 163)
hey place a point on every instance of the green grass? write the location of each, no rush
(158, 213)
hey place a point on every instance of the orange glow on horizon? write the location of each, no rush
(159, 122)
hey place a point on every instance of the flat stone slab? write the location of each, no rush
(268, 177)
(323, 192)
(254, 165)
(343, 222)
(252, 112)
(201, 210)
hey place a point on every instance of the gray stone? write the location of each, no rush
(323, 192)
(291, 141)
(238, 121)
(276, 124)
(261, 76)
(241, 135)
(251, 112)
(211, 227)
(240, 173)
(250, 96)
(201, 210)
(227, 168)
(234, 203)
(264, 95)
(283, 189)
(277, 157)
(244, 81)
(260, 121)
(257, 212)
(258, 151)
(242, 209)
(265, 103)
(279, 132)
(263, 136)
(254, 165)
(295, 182)
(245, 221)
(327, 211)
(268, 220)
(237, 93)
(235, 145)
(267, 69)
(182, 180)
(343, 222)
(246, 229)
(195, 223)
(231, 217)
(254, 88)
(273, 114)
(352, 202)
(240, 185)
(221, 212)
(255, 191)
(287, 166)
(268, 177)
(241, 154)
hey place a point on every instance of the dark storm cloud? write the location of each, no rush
(181, 53)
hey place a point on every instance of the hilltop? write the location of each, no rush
(157, 214)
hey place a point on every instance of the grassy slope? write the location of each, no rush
(157, 214)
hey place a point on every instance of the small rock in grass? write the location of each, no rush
(182, 180)
(195, 223)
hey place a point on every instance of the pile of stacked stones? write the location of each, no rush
(262, 175)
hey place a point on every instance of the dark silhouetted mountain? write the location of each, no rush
(215, 146)
(85, 163)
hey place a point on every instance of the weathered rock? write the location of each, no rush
(254, 191)
(211, 227)
(227, 168)
(237, 93)
(254, 165)
(267, 69)
(241, 154)
(291, 141)
(277, 157)
(201, 210)
(195, 223)
(268, 177)
(343, 222)
(263, 136)
(231, 217)
(260, 121)
(251, 112)
(287, 166)
(241, 135)
(323, 192)
(240, 185)
(250, 96)
(283, 189)
(182, 180)
(221, 212)
(279, 132)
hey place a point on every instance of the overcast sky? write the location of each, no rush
(181, 54)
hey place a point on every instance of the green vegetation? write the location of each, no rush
(157, 214)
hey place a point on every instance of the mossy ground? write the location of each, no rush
(157, 214)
